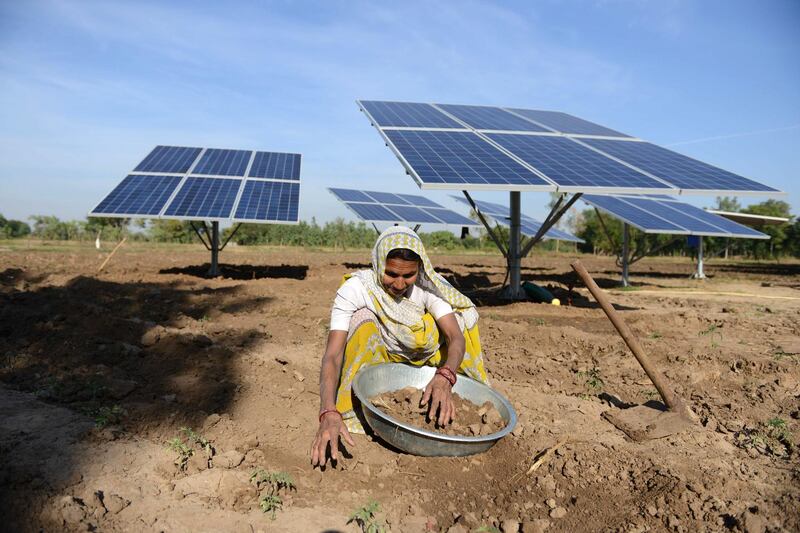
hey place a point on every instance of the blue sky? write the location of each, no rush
(88, 88)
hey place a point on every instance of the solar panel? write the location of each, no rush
(386, 198)
(490, 118)
(275, 201)
(388, 207)
(350, 195)
(406, 114)
(204, 198)
(374, 212)
(138, 196)
(452, 159)
(169, 159)
(574, 167)
(275, 165)
(674, 213)
(633, 215)
(680, 170)
(565, 123)
(220, 162)
(688, 218)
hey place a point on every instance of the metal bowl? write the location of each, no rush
(375, 380)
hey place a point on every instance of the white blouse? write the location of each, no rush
(352, 296)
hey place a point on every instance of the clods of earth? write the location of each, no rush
(470, 420)
(149, 398)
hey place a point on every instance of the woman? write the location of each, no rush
(397, 312)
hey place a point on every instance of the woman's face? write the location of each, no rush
(399, 275)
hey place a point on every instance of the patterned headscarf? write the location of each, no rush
(401, 321)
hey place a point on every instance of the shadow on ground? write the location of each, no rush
(242, 272)
(93, 345)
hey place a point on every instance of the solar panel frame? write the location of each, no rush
(674, 215)
(634, 216)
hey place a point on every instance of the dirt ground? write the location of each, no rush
(99, 372)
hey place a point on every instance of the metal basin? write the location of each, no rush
(375, 380)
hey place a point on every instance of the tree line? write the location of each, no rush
(603, 234)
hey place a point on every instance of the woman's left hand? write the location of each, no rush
(439, 393)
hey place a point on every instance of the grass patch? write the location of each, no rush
(367, 518)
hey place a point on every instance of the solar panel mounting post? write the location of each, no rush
(514, 291)
(699, 274)
(214, 270)
(626, 237)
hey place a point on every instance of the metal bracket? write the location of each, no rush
(199, 236)
(554, 216)
(239, 225)
(485, 223)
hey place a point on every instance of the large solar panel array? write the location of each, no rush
(374, 206)
(444, 146)
(667, 215)
(529, 226)
(188, 183)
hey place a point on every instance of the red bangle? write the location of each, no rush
(447, 374)
(326, 411)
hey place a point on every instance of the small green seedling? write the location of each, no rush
(651, 394)
(199, 440)
(271, 483)
(106, 416)
(367, 519)
(655, 335)
(713, 334)
(772, 437)
(487, 529)
(183, 450)
(777, 429)
(594, 383)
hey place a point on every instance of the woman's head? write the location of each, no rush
(401, 271)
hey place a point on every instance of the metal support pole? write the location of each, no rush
(514, 256)
(625, 244)
(214, 270)
(699, 274)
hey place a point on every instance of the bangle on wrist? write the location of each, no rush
(326, 411)
(447, 374)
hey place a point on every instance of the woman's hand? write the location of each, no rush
(331, 428)
(439, 393)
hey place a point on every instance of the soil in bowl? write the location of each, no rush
(470, 420)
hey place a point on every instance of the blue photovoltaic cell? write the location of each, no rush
(351, 195)
(205, 197)
(449, 217)
(139, 195)
(675, 214)
(274, 201)
(174, 159)
(735, 229)
(633, 215)
(684, 172)
(458, 158)
(412, 214)
(487, 208)
(567, 123)
(386, 198)
(561, 235)
(407, 114)
(275, 165)
(490, 118)
(372, 212)
(419, 201)
(220, 162)
(570, 164)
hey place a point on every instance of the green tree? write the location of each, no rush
(10, 229)
(728, 203)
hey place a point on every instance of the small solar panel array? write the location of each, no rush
(374, 206)
(187, 183)
(481, 147)
(529, 226)
(660, 214)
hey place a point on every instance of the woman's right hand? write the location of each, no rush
(331, 428)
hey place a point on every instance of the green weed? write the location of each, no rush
(271, 484)
(656, 335)
(183, 450)
(367, 519)
(713, 334)
(199, 440)
(105, 416)
(593, 382)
